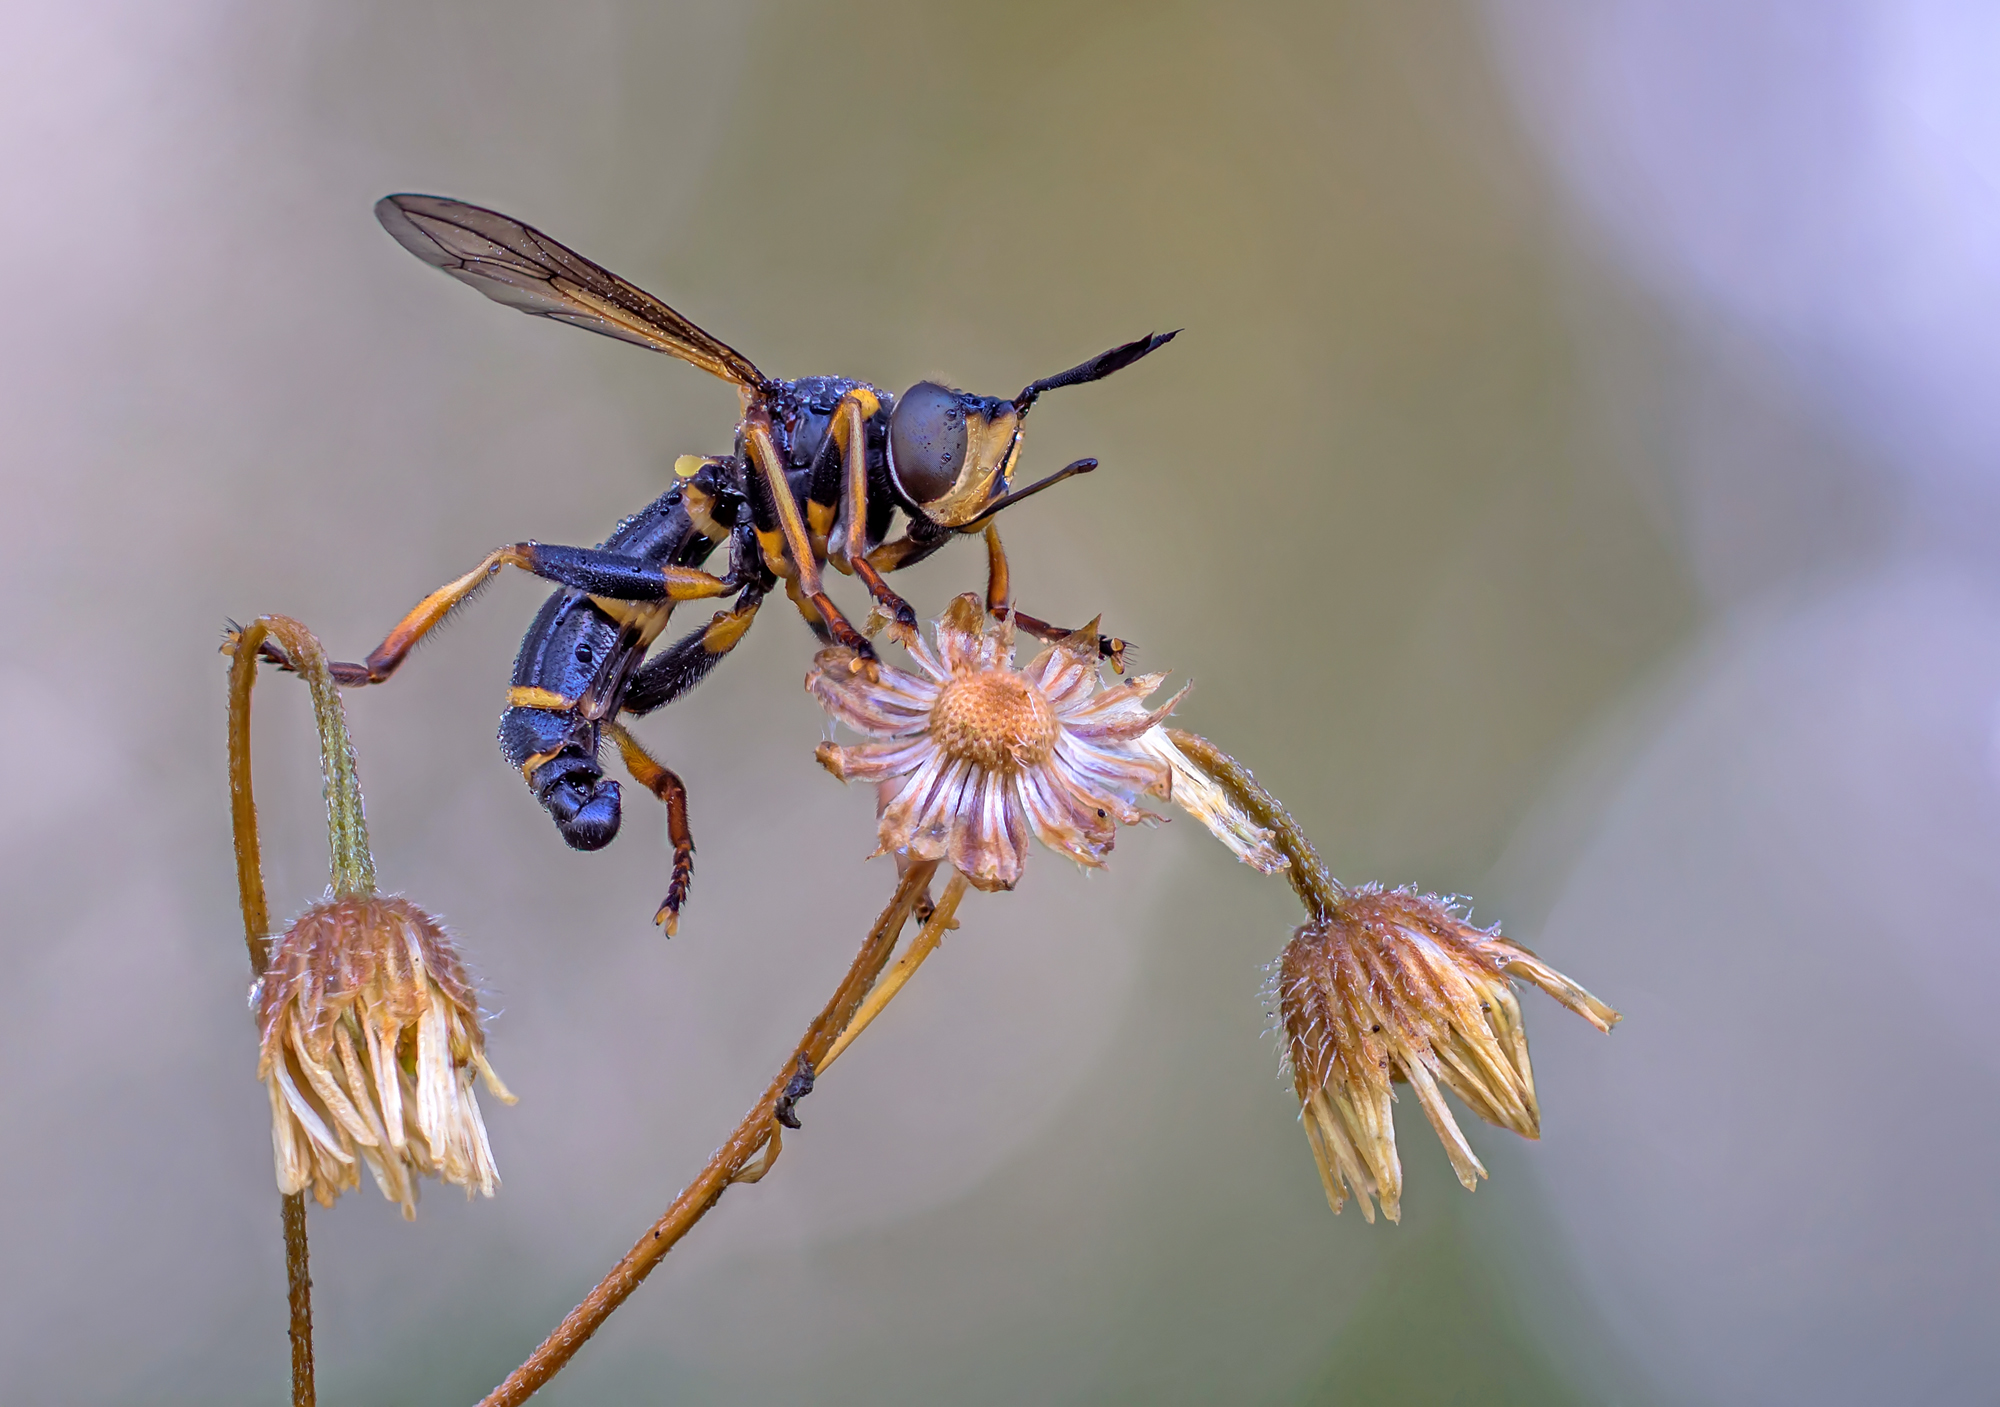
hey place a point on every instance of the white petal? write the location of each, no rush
(308, 1118)
(382, 1040)
(1463, 1160)
(330, 1094)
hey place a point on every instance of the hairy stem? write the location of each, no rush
(298, 1285)
(1315, 885)
(757, 1134)
(352, 866)
(352, 873)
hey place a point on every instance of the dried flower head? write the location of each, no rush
(370, 1039)
(1396, 986)
(973, 754)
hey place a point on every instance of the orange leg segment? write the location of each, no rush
(797, 543)
(665, 784)
(589, 569)
(999, 595)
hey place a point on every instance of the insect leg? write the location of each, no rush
(662, 782)
(588, 569)
(794, 546)
(619, 577)
(848, 550)
(998, 593)
(823, 481)
(684, 664)
(999, 586)
(808, 612)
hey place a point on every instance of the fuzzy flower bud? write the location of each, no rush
(369, 1040)
(1395, 986)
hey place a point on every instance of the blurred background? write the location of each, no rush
(1575, 488)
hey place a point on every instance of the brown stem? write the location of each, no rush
(1315, 885)
(298, 1281)
(884, 992)
(729, 1163)
(342, 798)
(243, 803)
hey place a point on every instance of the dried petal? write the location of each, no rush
(977, 756)
(370, 1039)
(1396, 986)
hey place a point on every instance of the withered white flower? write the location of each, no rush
(1198, 794)
(973, 755)
(1395, 986)
(370, 1038)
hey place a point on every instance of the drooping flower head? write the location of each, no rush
(973, 755)
(1396, 986)
(370, 1038)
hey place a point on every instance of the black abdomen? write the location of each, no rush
(577, 659)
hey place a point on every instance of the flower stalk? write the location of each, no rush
(749, 1152)
(922, 946)
(346, 830)
(1310, 879)
(369, 1027)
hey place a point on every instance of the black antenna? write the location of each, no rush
(1096, 369)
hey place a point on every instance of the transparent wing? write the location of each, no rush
(515, 264)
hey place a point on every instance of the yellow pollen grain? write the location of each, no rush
(995, 720)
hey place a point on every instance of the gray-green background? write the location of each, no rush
(1535, 498)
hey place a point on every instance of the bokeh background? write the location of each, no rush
(1575, 488)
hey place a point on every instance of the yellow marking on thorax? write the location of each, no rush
(819, 522)
(775, 556)
(798, 598)
(701, 512)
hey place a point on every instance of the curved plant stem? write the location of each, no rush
(243, 803)
(732, 1162)
(352, 870)
(1315, 885)
(922, 946)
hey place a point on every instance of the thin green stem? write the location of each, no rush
(353, 867)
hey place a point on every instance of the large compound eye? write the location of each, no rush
(927, 441)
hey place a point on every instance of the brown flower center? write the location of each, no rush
(995, 720)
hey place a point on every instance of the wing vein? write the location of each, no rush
(519, 266)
